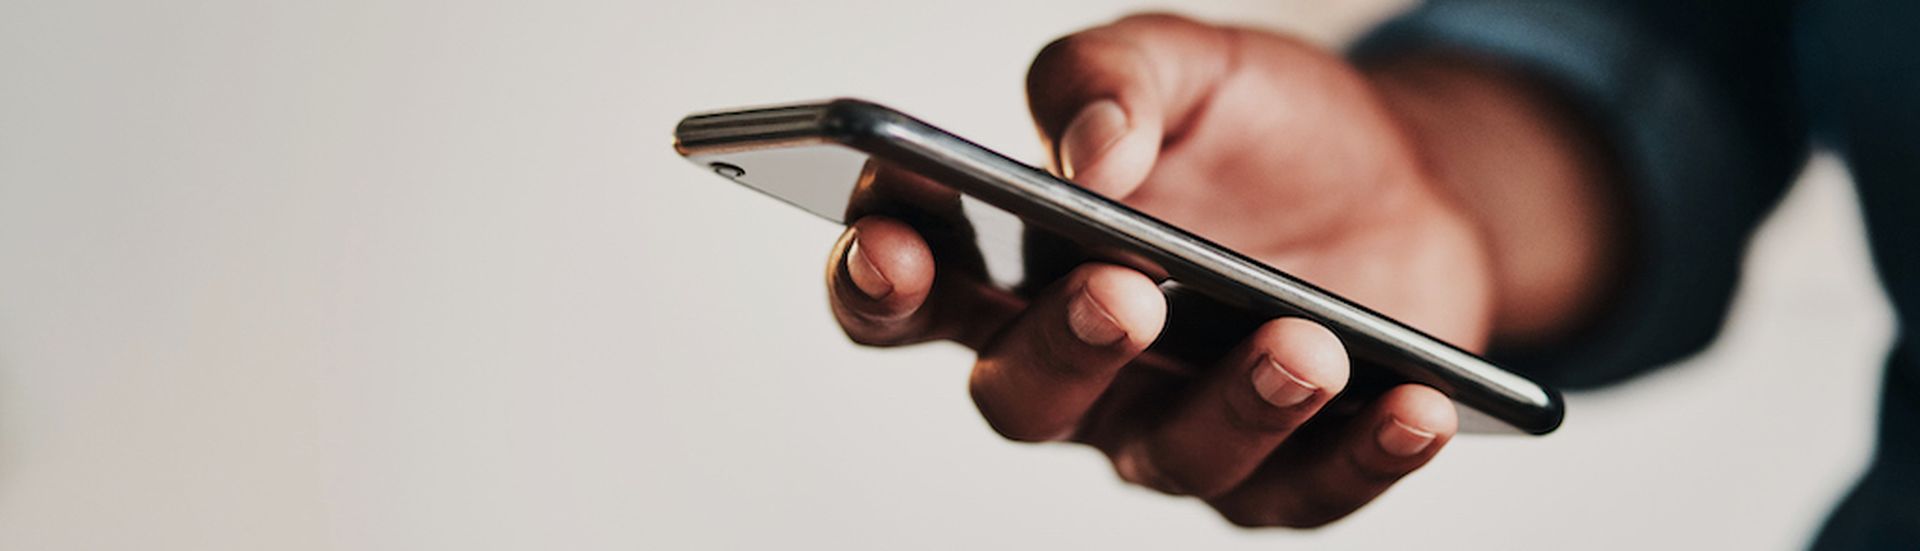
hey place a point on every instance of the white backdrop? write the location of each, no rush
(367, 274)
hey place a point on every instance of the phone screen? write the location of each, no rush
(840, 184)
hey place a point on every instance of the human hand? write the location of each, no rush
(1256, 141)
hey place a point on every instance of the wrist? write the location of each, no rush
(1531, 176)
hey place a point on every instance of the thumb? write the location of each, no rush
(1103, 150)
(1107, 98)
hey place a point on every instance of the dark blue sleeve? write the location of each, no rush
(1696, 104)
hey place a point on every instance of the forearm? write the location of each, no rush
(1533, 176)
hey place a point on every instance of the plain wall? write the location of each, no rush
(426, 275)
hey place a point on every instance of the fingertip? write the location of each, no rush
(1092, 99)
(1098, 127)
(1130, 298)
(1422, 408)
(886, 257)
(1306, 350)
(1121, 168)
(1107, 149)
(878, 277)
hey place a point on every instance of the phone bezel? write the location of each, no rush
(1046, 201)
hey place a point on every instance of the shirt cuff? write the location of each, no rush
(1689, 186)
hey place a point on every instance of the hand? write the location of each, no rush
(1256, 141)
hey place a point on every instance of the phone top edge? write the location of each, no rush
(839, 119)
(721, 129)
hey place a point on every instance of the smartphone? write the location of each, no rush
(823, 157)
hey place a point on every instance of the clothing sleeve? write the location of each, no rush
(1696, 104)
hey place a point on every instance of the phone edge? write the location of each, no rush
(879, 130)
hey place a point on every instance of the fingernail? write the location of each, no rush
(1090, 135)
(1402, 439)
(864, 274)
(1090, 321)
(1277, 386)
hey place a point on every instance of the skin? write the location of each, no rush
(1440, 165)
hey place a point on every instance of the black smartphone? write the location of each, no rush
(818, 156)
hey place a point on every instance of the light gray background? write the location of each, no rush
(407, 275)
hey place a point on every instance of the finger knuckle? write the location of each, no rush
(1196, 482)
(1010, 421)
(1312, 520)
(1257, 416)
(1053, 356)
(1059, 54)
(864, 332)
(1312, 510)
(1154, 18)
(1371, 473)
(1070, 54)
(1016, 431)
(870, 339)
(1139, 468)
(862, 338)
(1273, 518)
(1130, 472)
(1303, 508)
(1190, 483)
(1246, 516)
